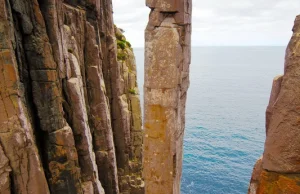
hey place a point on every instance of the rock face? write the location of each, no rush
(69, 110)
(167, 60)
(279, 171)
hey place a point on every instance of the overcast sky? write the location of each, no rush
(220, 22)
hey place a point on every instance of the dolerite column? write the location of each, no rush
(167, 59)
(278, 171)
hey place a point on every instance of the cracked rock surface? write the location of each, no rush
(69, 105)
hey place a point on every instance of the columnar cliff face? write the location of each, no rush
(167, 59)
(69, 108)
(278, 171)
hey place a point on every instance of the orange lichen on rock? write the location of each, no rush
(157, 125)
(272, 182)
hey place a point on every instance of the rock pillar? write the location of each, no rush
(167, 60)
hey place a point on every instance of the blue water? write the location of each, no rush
(225, 118)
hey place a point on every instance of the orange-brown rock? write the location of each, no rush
(272, 182)
(20, 161)
(257, 170)
(167, 60)
(280, 169)
(70, 122)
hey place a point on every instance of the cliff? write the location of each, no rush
(278, 171)
(69, 110)
(167, 60)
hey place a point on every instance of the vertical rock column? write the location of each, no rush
(279, 171)
(124, 105)
(69, 112)
(131, 174)
(167, 60)
(73, 30)
(100, 119)
(21, 169)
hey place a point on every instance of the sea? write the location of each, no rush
(225, 117)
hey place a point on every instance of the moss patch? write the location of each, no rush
(132, 91)
(121, 56)
(121, 44)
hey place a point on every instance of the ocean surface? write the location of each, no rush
(225, 118)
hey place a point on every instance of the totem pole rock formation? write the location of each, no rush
(70, 118)
(167, 60)
(278, 171)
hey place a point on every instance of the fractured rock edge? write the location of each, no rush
(278, 170)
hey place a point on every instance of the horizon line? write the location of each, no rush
(228, 46)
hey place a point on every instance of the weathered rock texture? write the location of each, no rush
(167, 60)
(279, 169)
(69, 108)
(127, 117)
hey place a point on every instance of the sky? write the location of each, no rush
(220, 22)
